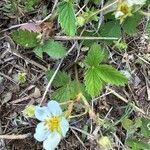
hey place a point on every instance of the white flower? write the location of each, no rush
(53, 125)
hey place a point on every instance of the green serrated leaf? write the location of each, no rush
(110, 75)
(130, 24)
(25, 38)
(145, 129)
(66, 92)
(111, 29)
(61, 78)
(95, 55)
(93, 82)
(53, 48)
(67, 18)
(137, 145)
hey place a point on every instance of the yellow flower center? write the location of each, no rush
(125, 9)
(52, 123)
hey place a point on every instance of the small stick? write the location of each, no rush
(83, 38)
(79, 139)
(28, 60)
(22, 99)
(55, 73)
(13, 136)
(47, 17)
(83, 132)
(126, 101)
(9, 78)
(50, 82)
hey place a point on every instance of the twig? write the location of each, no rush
(22, 99)
(145, 13)
(79, 139)
(126, 101)
(50, 81)
(13, 27)
(9, 78)
(145, 61)
(55, 73)
(13, 137)
(79, 115)
(83, 38)
(83, 132)
(2, 143)
(105, 7)
(54, 6)
(28, 60)
(116, 137)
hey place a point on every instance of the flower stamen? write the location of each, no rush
(52, 123)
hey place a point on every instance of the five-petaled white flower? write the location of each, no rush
(53, 125)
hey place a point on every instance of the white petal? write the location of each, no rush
(41, 113)
(118, 14)
(41, 132)
(54, 108)
(64, 125)
(139, 2)
(130, 3)
(52, 141)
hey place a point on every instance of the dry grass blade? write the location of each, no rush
(14, 137)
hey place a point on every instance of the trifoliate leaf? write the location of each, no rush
(145, 129)
(67, 18)
(61, 78)
(95, 55)
(25, 38)
(130, 24)
(111, 29)
(67, 91)
(110, 75)
(137, 145)
(53, 48)
(93, 81)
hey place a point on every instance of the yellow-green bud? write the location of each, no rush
(104, 142)
(29, 111)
